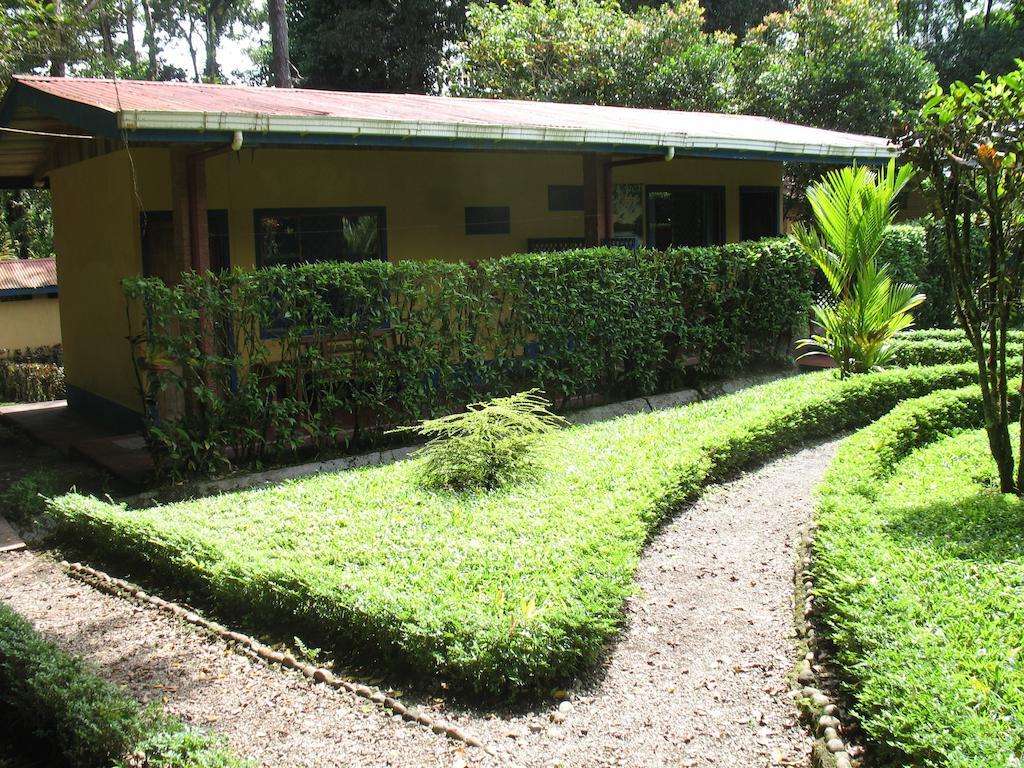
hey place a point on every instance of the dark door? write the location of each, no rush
(681, 216)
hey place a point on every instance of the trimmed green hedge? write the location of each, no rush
(501, 592)
(69, 712)
(944, 347)
(916, 254)
(920, 570)
(369, 345)
(32, 375)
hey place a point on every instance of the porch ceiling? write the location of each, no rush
(197, 113)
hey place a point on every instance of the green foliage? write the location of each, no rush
(989, 44)
(358, 46)
(25, 497)
(361, 347)
(835, 64)
(969, 145)
(26, 224)
(592, 52)
(490, 445)
(918, 566)
(168, 743)
(853, 210)
(32, 375)
(505, 592)
(914, 253)
(59, 702)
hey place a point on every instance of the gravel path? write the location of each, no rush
(267, 713)
(696, 679)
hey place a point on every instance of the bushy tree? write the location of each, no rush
(969, 144)
(835, 64)
(984, 43)
(591, 51)
(372, 45)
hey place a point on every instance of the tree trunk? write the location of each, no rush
(282, 66)
(149, 39)
(211, 70)
(58, 66)
(129, 30)
(107, 36)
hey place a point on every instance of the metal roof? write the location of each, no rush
(27, 275)
(144, 111)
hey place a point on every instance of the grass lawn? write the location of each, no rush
(921, 569)
(498, 592)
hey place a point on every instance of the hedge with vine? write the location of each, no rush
(304, 358)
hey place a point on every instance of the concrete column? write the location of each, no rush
(597, 198)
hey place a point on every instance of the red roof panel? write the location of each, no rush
(143, 96)
(27, 274)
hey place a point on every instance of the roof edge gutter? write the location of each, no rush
(264, 126)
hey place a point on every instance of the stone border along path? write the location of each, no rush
(698, 677)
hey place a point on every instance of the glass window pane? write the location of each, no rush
(361, 237)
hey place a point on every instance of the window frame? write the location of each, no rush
(719, 191)
(507, 222)
(778, 206)
(362, 210)
(554, 190)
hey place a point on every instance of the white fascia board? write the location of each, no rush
(343, 126)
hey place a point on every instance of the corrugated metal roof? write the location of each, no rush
(161, 106)
(27, 274)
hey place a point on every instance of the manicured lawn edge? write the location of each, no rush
(852, 513)
(942, 351)
(566, 643)
(86, 721)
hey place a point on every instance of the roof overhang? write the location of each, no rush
(39, 114)
(205, 127)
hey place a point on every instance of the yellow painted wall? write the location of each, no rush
(97, 244)
(33, 322)
(424, 194)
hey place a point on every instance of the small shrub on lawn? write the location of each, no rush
(491, 445)
(26, 496)
(504, 592)
(920, 568)
(58, 702)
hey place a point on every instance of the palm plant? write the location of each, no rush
(853, 207)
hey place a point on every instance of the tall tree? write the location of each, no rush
(987, 42)
(969, 144)
(373, 45)
(281, 59)
(591, 51)
(834, 64)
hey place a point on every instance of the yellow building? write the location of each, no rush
(29, 310)
(157, 178)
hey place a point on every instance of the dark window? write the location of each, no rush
(678, 216)
(158, 242)
(565, 197)
(488, 220)
(759, 212)
(301, 236)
